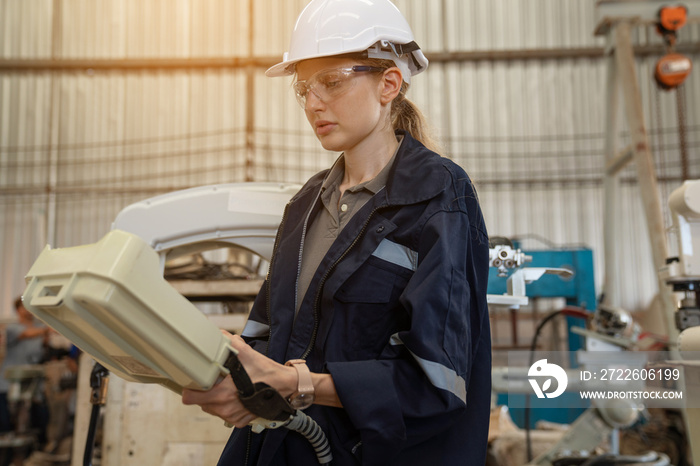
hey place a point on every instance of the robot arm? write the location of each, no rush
(685, 210)
(683, 271)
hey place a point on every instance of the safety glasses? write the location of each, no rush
(330, 84)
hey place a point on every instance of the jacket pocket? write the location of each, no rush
(367, 310)
(370, 285)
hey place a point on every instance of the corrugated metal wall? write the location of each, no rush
(77, 145)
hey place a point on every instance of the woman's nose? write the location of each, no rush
(313, 101)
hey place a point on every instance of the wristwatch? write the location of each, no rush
(304, 396)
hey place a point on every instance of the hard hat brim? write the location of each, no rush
(284, 68)
(287, 68)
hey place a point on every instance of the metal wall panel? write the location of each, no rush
(529, 131)
(25, 28)
(500, 24)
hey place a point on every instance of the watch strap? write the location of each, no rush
(304, 384)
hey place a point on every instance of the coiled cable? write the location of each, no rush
(307, 427)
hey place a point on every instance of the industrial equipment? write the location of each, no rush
(616, 20)
(504, 257)
(682, 273)
(110, 299)
(509, 262)
(614, 330)
(672, 18)
(673, 68)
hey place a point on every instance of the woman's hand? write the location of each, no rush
(223, 401)
(260, 368)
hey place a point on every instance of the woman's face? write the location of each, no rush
(344, 121)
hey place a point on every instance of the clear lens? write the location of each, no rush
(328, 84)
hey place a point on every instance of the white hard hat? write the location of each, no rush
(334, 27)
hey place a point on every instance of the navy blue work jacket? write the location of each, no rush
(396, 313)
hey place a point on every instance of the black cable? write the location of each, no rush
(533, 345)
(90, 440)
(98, 385)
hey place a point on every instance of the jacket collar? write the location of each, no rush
(417, 174)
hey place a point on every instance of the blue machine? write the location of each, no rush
(578, 291)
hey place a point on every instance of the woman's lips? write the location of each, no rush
(324, 127)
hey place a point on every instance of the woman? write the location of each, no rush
(376, 295)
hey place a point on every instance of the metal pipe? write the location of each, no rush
(189, 63)
(136, 64)
(491, 182)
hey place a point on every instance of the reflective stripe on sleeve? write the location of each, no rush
(440, 376)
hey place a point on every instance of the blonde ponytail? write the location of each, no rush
(407, 116)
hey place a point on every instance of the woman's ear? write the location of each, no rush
(391, 84)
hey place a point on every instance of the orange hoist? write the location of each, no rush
(673, 68)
